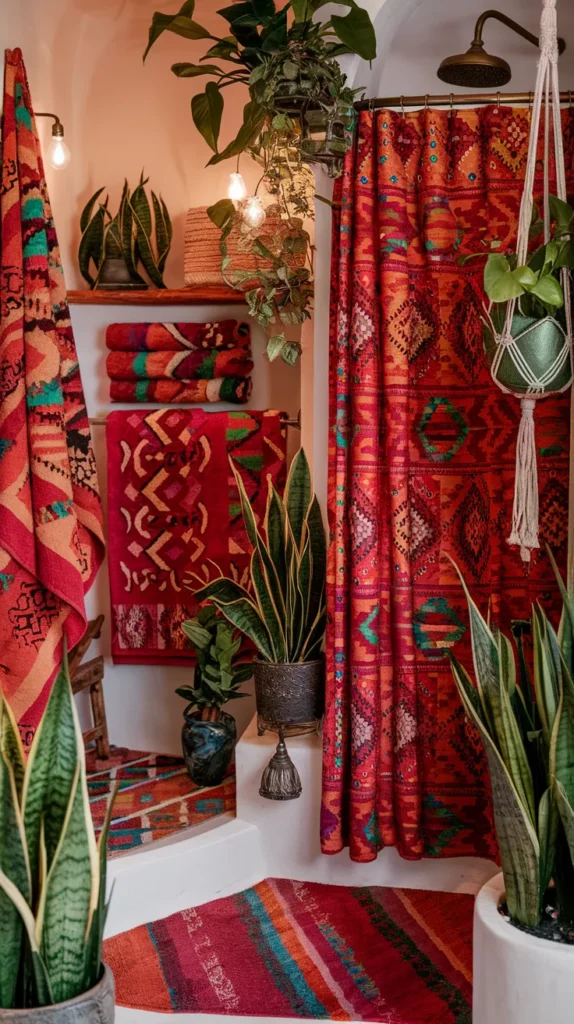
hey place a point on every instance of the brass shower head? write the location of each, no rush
(477, 69)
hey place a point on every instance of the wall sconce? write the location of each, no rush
(58, 154)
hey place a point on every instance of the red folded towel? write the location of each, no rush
(222, 334)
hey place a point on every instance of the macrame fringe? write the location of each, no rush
(525, 511)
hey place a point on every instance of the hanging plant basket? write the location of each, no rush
(541, 351)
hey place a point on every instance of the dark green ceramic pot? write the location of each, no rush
(208, 747)
(539, 342)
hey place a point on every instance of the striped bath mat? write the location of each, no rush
(156, 798)
(297, 949)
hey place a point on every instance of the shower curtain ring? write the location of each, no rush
(570, 99)
(427, 101)
(451, 104)
(403, 106)
(498, 99)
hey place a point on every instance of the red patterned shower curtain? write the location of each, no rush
(422, 450)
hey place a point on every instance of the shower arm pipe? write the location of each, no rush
(452, 100)
(510, 23)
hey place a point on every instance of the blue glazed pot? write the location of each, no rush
(208, 747)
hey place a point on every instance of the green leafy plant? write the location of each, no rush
(285, 614)
(527, 728)
(300, 111)
(278, 57)
(535, 284)
(138, 233)
(217, 675)
(52, 873)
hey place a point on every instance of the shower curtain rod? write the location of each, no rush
(286, 421)
(456, 100)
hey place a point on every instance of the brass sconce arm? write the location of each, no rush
(510, 23)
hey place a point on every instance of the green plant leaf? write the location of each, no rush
(549, 291)
(221, 213)
(222, 589)
(163, 230)
(253, 119)
(11, 744)
(200, 637)
(275, 346)
(206, 110)
(14, 865)
(245, 616)
(356, 31)
(318, 547)
(43, 995)
(561, 213)
(268, 610)
(291, 352)
(195, 70)
(64, 907)
(92, 246)
(180, 24)
(547, 833)
(298, 495)
(275, 533)
(50, 772)
(93, 948)
(86, 214)
(567, 816)
(517, 838)
(525, 276)
(141, 212)
(496, 267)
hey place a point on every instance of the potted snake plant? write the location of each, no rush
(524, 918)
(284, 611)
(52, 874)
(209, 733)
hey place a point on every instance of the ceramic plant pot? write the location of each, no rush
(539, 342)
(207, 748)
(115, 275)
(517, 978)
(93, 1007)
(290, 695)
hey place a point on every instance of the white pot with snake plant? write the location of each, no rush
(52, 875)
(524, 918)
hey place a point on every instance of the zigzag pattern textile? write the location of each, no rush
(50, 511)
(421, 465)
(174, 513)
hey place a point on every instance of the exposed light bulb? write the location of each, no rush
(254, 212)
(59, 155)
(237, 190)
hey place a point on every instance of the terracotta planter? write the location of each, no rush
(291, 695)
(517, 978)
(207, 748)
(93, 1007)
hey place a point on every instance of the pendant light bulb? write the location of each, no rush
(237, 190)
(254, 212)
(59, 155)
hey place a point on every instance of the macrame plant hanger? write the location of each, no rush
(535, 384)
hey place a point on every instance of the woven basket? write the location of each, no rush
(202, 256)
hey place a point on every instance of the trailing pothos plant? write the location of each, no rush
(527, 729)
(137, 233)
(300, 110)
(52, 872)
(536, 284)
(217, 675)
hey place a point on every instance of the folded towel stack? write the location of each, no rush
(183, 362)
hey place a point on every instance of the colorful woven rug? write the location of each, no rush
(173, 510)
(156, 797)
(235, 390)
(180, 337)
(295, 949)
(50, 511)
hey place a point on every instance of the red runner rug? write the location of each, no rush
(173, 510)
(50, 511)
(297, 949)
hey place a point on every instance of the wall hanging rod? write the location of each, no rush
(100, 421)
(457, 100)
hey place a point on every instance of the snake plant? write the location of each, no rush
(52, 872)
(284, 612)
(527, 728)
(132, 235)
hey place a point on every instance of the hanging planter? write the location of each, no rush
(528, 335)
(541, 353)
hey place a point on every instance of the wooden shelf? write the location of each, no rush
(204, 295)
